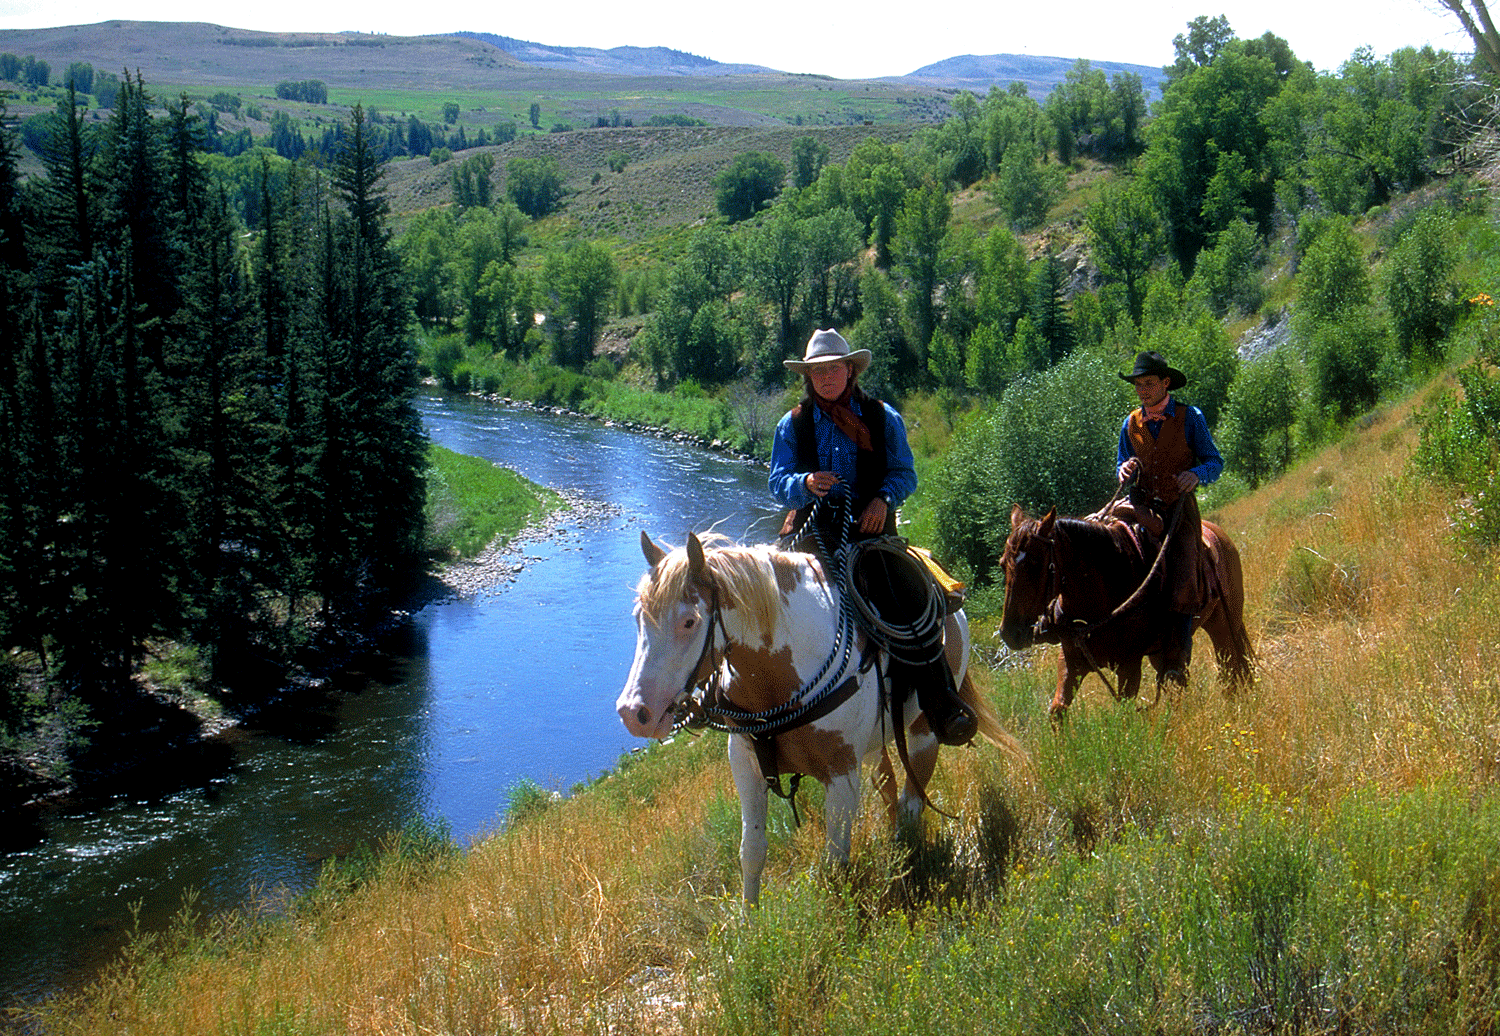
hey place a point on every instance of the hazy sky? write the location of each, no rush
(836, 37)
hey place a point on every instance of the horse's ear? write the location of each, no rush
(1046, 527)
(697, 565)
(1017, 516)
(653, 553)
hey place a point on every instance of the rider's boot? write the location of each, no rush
(1179, 647)
(953, 722)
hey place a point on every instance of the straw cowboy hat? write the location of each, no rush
(1154, 363)
(825, 347)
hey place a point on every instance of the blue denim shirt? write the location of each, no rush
(1195, 427)
(836, 453)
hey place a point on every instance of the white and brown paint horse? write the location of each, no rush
(766, 629)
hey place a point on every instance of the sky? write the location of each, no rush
(840, 38)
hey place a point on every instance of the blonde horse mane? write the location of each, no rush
(745, 575)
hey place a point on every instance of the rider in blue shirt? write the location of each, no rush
(841, 458)
(855, 442)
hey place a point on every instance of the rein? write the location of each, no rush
(1080, 634)
(834, 683)
(715, 710)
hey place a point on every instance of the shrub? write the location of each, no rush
(745, 187)
(1049, 442)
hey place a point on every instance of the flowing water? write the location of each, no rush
(470, 697)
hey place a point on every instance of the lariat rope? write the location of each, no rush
(834, 682)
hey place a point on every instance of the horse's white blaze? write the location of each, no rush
(665, 656)
(833, 748)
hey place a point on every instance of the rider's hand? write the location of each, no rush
(873, 519)
(820, 482)
(1187, 481)
(1129, 469)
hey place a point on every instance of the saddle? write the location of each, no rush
(1146, 530)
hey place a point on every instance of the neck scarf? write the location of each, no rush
(845, 419)
(1158, 412)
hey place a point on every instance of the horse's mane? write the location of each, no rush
(1104, 539)
(746, 577)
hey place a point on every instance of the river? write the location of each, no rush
(469, 698)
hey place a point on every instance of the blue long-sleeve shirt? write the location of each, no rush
(1195, 427)
(836, 452)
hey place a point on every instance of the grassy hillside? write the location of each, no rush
(666, 186)
(417, 75)
(1316, 856)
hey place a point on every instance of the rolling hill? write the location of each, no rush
(206, 55)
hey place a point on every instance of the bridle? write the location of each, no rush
(1077, 631)
(818, 696)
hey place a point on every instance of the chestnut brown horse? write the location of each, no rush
(1066, 580)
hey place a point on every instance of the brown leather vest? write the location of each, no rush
(1163, 456)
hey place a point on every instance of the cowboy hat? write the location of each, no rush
(825, 347)
(1153, 363)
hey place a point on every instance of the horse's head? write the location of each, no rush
(1029, 564)
(673, 623)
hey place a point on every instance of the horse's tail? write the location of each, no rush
(989, 726)
(1225, 556)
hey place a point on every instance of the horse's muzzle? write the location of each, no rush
(1017, 635)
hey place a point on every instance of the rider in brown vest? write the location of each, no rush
(1166, 448)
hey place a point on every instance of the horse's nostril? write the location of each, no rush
(642, 715)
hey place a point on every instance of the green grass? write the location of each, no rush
(471, 503)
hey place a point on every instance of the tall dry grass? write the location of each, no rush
(1314, 855)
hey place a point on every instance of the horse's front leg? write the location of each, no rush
(1069, 675)
(840, 804)
(1129, 674)
(751, 785)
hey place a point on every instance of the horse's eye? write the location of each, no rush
(689, 623)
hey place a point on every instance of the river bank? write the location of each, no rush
(154, 723)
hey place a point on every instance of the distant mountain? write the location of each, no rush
(969, 72)
(620, 61)
(1040, 74)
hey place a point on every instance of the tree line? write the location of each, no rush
(209, 438)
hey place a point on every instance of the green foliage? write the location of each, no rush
(1333, 277)
(1345, 362)
(261, 428)
(1459, 444)
(471, 182)
(748, 185)
(1024, 188)
(1211, 159)
(581, 282)
(1204, 351)
(535, 185)
(1227, 276)
(809, 154)
(1417, 282)
(1128, 238)
(471, 503)
(1255, 435)
(1049, 442)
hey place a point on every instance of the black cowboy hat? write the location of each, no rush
(1153, 363)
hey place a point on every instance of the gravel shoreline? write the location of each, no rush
(498, 565)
